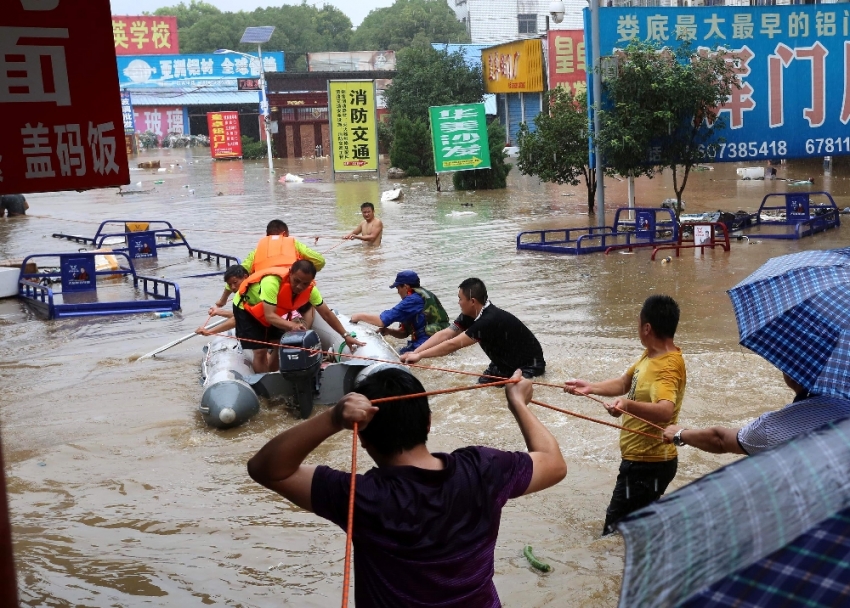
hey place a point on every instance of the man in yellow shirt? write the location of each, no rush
(275, 228)
(654, 387)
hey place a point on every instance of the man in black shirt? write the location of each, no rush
(504, 338)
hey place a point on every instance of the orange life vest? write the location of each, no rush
(273, 255)
(285, 303)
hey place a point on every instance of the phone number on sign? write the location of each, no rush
(827, 145)
(746, 149)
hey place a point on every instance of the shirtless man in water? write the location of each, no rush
(370, 229)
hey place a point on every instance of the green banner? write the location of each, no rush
(459, 137)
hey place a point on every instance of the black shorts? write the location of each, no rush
(251, 333)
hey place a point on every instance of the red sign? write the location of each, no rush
(62, 126)
(145, 35)
(225, 137)
(567, 60)
(248, 84)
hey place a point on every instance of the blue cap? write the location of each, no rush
(406, 277)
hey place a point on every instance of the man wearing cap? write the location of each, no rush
(419, 313)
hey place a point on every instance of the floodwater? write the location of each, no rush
(121, 496)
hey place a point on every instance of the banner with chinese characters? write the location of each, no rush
(459, 137)
(793, 63)
(567, 60)
(354, 133)
(127, 111)
(62, 126)
(161, 120)
(172, 70)
(225, 136)
(516, 67)
(145, 35)
(351, 61)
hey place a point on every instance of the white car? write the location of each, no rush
(511, 150)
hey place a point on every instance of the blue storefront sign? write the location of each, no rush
(127, 111)
(177, 70)
(793, 63)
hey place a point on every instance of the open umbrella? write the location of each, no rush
(795, 312)
(771, 530)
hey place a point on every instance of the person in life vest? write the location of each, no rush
(252, 334)
(286, 293)
(419, 314)
(274, 252)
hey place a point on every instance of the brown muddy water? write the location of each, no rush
(121, 496)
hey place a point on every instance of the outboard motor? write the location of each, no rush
(301, 367)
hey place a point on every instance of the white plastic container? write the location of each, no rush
(9, 282)
(751, 172)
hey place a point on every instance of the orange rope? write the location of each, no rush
(346, 574)
(444, 391)
(334, 247)
(616, 426)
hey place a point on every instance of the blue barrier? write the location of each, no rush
(796, 218)
(78, 276)
(634, 227)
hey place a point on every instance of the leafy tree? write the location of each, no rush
(426, 77)
(211, 32)
(496, 176)
(407, 23)
(411, 146)
(187, 16)
(558, 150)
(662, 110)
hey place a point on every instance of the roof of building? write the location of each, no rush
(192, 96)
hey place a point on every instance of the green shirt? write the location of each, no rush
(252, 296)
(304, 253)
(270, 288)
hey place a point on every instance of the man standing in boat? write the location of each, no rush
(425, 524)
(276, 249)
(370, 229)
(504, 338)
(419, 313)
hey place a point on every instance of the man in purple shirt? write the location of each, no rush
(425, 525)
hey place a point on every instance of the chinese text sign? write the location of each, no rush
(567, 60)
(127, 112)
(145, 35)
(161, 120)
(793, 63)
(225, 136)
(354, 133)
(516, 67)
(170, 70)
(459, 137)
(62, 126)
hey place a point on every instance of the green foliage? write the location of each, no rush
(658, 104)
(411, 146)
(408, 23)
(557, 151)
(426, 77)
(251, 148)
(385, 136)
(299, 29)
(494, 177)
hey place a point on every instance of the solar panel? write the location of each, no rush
(257, 35)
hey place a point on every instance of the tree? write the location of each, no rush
(408, 23)
(558, 150)
(662, 110)
(187, 16)
(411, 146)
(497, 175)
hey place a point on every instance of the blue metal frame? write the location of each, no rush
(41, 297)
(592, 239)
(166, 230)
(821, 217)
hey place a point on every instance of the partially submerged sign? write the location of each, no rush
(353, 121)
(225, 136)
(62, 126)
(459, 137)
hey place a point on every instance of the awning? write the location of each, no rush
(192, 97)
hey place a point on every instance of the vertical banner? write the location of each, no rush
(78, 273)
(127, 111)
(62, 127)
(225, 137)
(644, 224)
(567, 60)
(144, 35)
(142, 245)
(353, 121)
(459, 137)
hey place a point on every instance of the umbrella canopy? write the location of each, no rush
(793, 311)
(770, 530)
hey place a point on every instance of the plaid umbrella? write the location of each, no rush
(793, 311)
(771, 530)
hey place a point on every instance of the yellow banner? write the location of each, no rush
(516, 67)
(354, 132)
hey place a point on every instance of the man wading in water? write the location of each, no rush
(370, 229)
(425, 524)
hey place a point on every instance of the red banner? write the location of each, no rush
(567, 60)
(61, 126)
(145, 35)
(225, 137)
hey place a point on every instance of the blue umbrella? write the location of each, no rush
(795, 312)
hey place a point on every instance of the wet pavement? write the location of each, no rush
(121, 496)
